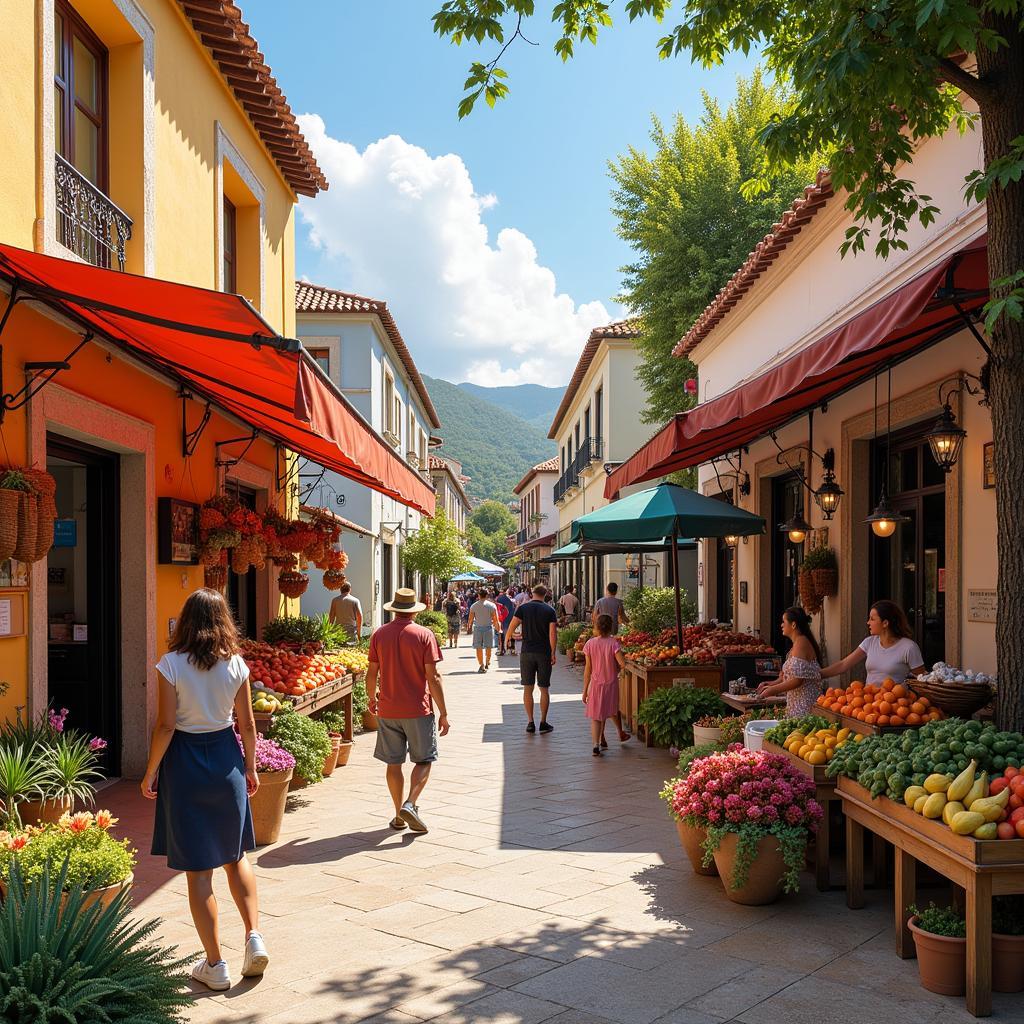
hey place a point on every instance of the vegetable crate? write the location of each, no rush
(316, 700)
(640, 681)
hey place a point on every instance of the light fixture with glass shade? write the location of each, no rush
(731, 540)
(884, 519)
(829, 494)
(797, 528)
(946, 438)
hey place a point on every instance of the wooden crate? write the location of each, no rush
(316, 700)
(815, 772)
(855, 725)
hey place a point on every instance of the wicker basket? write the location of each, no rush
(808, 595)
(959, 700)
(826, 582)
(44, 526)
(8, 522)
(28, 527)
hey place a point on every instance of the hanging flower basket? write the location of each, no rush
(9, 500)
(826, 583)
(292, 583)
(808, 595)
(215, 576)
(334, 579)
(28, 527)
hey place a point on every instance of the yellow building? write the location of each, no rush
(147, 137)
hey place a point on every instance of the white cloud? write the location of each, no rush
(401, 225)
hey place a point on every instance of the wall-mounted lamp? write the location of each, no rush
(946, 438)
(829, 494)
(884, 519)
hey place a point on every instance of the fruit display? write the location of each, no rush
(351, 659)
(943, 673)
(887, 703)
(889, 764)
(293, 673)
(970, 805)
(702, 645)
(581, 640)
(778, 734)
(266, 702)
(819, 746)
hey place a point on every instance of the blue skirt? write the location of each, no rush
(203, 818)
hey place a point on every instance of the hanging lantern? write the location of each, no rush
(731, 540)
(796, 529)
(884, 520)
(946, 439)
(828, 496)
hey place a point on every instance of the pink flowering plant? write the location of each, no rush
(94, 857)
(751, 793)
(269, 756)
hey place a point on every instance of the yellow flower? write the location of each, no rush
(64, 821)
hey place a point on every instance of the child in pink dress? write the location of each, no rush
(603, 654)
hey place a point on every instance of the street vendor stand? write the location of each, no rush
(638, 682)
(338, 692)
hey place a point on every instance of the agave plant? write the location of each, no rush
(22, 777)
(77, 963)
(69, 768)
(28, 733)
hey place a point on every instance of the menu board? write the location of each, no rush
(981, 606)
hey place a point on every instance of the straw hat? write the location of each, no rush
(404, 601)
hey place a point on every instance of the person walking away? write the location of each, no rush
(203, 820)
(568, 603)
(800, 679)
(604, 658)
(522, 595)
(453, 614)
(612, 606)
(506, 609)
(404, 686)
(483, 620)
(537, 657)
(347, 612)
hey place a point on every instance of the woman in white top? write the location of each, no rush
(203, 819)
(888, 652)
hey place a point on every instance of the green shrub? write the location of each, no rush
(436, 622)
(820, 558)
(83, 965)
(946, 921)
(306, 740)
(360, 699)
(652, 609)
(304, 629)
(669, 713)
(567, 636)
(333, 720)
(691, 754)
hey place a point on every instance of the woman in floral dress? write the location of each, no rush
(800, 680)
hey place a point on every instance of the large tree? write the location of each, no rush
(487, 532)
(869, 77)
(684, 211)
(436, 549)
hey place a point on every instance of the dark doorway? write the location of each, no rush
(242, 587)
(909, 567)
(725, 569)
(787, 499)
(84, 593)
(387, 555)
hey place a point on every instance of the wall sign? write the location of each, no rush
(65, 533)
(981, 606)
(12, 615)
(177, 525)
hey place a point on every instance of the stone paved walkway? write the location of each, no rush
(551, 887)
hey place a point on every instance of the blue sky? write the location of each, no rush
(419, 220)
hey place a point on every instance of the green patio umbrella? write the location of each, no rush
(665, 513)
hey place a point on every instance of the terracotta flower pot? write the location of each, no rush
(344, 751)
(104, 896)
(1007, 963)
(331, 760)
(941, 961)
(702, 734)
(47, 812)
(691, 839)
(268, 805)
(369, 721)
(767, 873)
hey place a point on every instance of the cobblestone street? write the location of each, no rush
(551, 887)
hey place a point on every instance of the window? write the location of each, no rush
(80, 95)
(586, 423)
(563, 458)
(322, 358)
(390, 404)
(577, 435)
(229, 280)
(599, 413)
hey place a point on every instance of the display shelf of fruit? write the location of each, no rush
(288, 672)
(887, 704)
(265, 702)
(351, 659)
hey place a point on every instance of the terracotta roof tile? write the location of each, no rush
(765, 253)
(619, 329)
(548, 466)
(219, 25)
(313, 298)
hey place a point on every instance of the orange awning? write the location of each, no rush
(224, 351)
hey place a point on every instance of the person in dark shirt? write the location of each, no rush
(537, 654)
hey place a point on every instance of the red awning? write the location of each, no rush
(908, 320)
(224, 351)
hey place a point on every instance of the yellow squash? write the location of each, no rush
(952, 807)
(932, 807)
(964, 823)
(919, 804)
(937, 783)
(986, 831)
(978, 790)
(913, 793)
(961, 785)
(992, 806)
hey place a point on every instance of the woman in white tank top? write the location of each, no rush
(888, 652)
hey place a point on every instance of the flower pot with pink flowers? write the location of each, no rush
(95, 860)
(758, 811)
(275, 767)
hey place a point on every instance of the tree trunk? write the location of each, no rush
(1002, 122)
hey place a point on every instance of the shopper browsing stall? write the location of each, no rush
(800, 680)
(888, 652)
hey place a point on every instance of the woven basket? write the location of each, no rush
(8, 522)
(28, 527)
(826, 582)
(808, 595)
(959, 700)
(44, 526)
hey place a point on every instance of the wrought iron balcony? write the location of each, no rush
(522, 536)
(568, 480)
(88, 223)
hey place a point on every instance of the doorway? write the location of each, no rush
(910, 566)
(242, 587)
(387, 568)
(787, 500)
(84, 593)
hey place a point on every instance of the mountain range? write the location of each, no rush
(494, 432)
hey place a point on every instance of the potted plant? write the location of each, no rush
(823, 566)
(275, 767)
(669, 713)
(21, 778)
(69, 763)
(307, 741)
(707, 729)
(1008, 943)
(758, 810)
(940, 938)
(94, 860)
(334, 721)
(361, 705)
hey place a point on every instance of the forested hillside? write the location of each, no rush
(532, 402)
(495, 446)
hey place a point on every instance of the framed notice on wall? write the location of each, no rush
(12, 615)
(981, 606)
(177, 526)
(988, 465)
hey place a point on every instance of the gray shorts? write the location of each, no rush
(483, 637)
(401, 737)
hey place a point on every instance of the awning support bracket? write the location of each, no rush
(228, 463)
(283, 480)
(190, 438)
(305, 489)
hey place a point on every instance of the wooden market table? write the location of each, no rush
(825, 794)
(983, 869)
(638, 682)
(744, 704)
(316, 700)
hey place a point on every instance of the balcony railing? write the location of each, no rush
(522, 536)
(88, 223)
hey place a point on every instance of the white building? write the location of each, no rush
(538, 519)
(597, 424)
(356, 342)
(449, 484)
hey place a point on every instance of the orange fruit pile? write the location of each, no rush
(887, 703)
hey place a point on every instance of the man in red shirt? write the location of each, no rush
(403, 684)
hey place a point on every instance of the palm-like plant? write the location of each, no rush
(69, 768)
(77, 963)
(22, 777)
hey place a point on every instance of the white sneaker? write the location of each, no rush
(411, 816)
(213, 976)
(255, 961)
